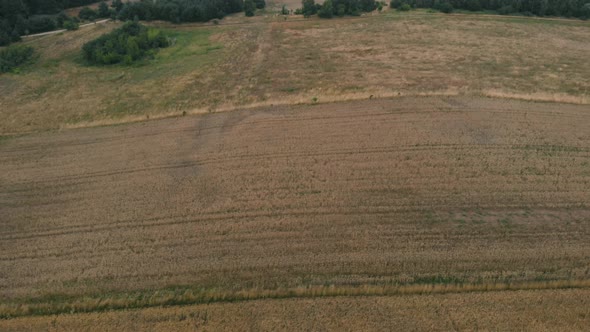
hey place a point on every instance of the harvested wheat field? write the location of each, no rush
(470, 200)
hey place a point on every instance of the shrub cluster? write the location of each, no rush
(127, 44)
(14, 56)
(103, 11)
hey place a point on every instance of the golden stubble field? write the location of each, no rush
(267, 61)
(390, 196)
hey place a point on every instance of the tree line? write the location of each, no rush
(331, 8)
(178, 11)
(565, 8)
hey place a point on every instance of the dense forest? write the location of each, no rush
(566, 8)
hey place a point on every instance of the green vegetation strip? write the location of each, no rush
(184, 296)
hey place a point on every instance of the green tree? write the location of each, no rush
(284, 10)
(404, 7)
(473, 5)
(309, 8)
(15, 56)
(70, 25)
(395, 3)
(87, 13)
(103, 10)
(249, 8)
(327, 10)
(260, 3)
(445, 7)
(117, 5)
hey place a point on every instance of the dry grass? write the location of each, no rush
(165, 297)
(407, 192)
(554, 310)
(267, 61)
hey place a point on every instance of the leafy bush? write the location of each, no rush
(127, 44)
(37, 24)
(103, 10)
(473, 5)
(70, 25)
(88, 13)
(15, 56)
(284, 10)
(506, 10)
(309, 8)
(260, 3)
(327, 10)
(117, 5)
(341, 10)
(7, 37)
(66, 22)
(249, 8)
(445, 7)
(404, 7)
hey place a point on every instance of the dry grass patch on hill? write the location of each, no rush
(268, 60)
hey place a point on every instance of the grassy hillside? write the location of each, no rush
(346, 174)
(268, 60)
